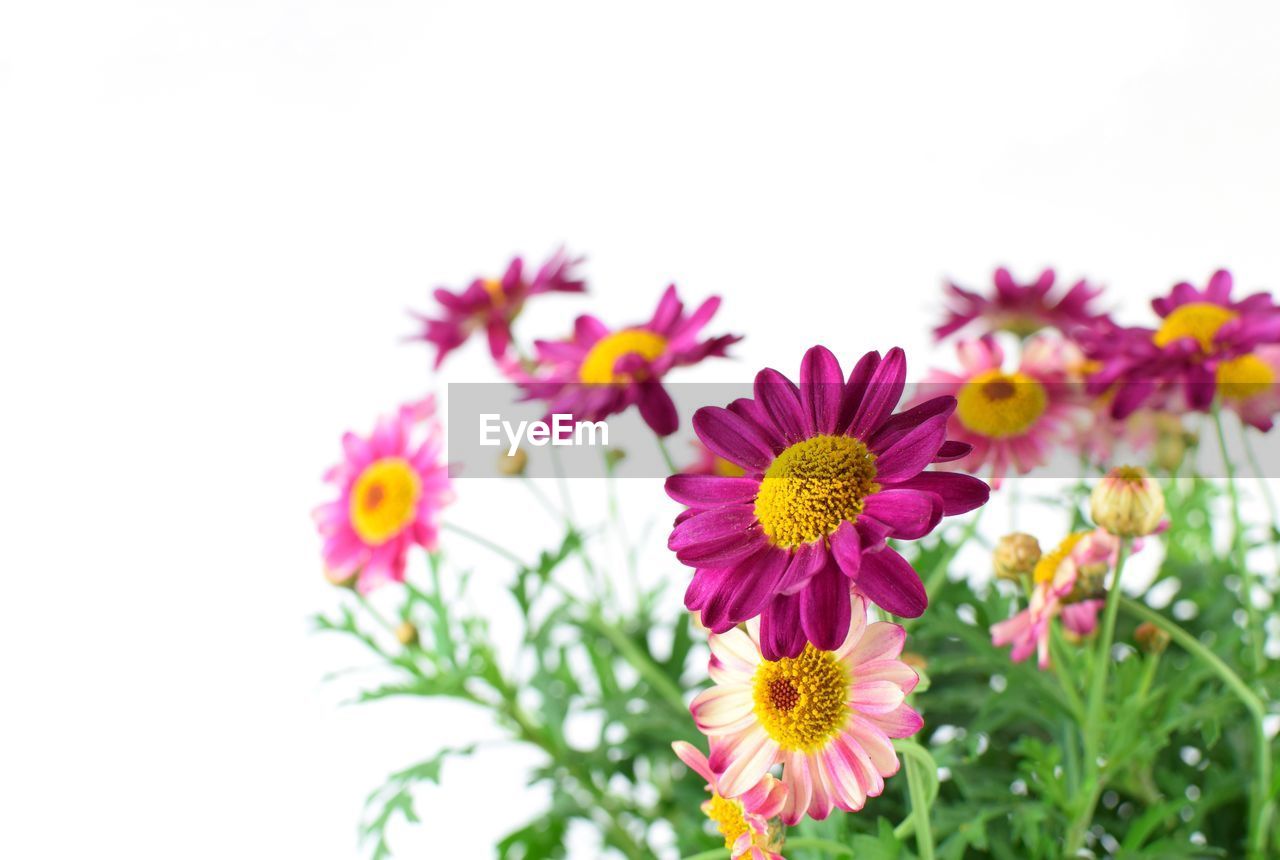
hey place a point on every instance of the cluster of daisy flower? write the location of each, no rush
(803, 519)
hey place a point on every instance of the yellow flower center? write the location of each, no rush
(1047, 567)
(1200, 320)
(729, 816)
(802, 701)
(812, 487)
(1244, 377)
(597, 367)
(493, 287)
(998, 405)
(384, 499)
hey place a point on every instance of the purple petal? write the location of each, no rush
(855, 388)
(899, 425)
(807, 560)
(959, 493)
(756, 582)
(732, 437)
(727, 551)
(821, 389)
(669, 308)
(780, 400)
(911, 514)
(891, 583)
(705, 583)
(907, 457)
(846, 547)
(825, 608)
(711, 491)
(883, 391)
(711, 525)
(656, 407)
(780, 632)
(952, 450)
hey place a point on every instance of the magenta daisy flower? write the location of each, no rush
(1206, 340)
(829, 472)
(1012, 419)
(1019, 308)
(492, 304)
(392, 486)
(827, 716)
(743, 821)
(601, 371)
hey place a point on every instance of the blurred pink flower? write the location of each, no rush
(1013, 419)
(492, 304)
(391, 488)
(1022, 309)
(599, 372)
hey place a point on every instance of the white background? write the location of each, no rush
(213, 216)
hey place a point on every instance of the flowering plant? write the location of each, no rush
(847, 673)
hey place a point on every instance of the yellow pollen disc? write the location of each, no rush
(998, 405)
(1200, 320)
(728, 816)
(597, 367)
(802, 701)
(494, 288)
(725, 469)
(384, 499)
(1244, 377)
(814, 486)
(1047, 567)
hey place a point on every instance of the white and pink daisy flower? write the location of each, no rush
(392, 486)
(1012, 418)
(743, 821)
(827, 717)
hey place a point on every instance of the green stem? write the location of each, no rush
(1264, 485)
(1237, 548)
(1093, 778)
(919, 808)
(486, 543)
(1260, 801)
(1063, 671)
(666, 455)
(650, 671)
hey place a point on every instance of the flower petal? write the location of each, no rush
(959, 493)
(712, 491)
(911, 514)
(732, 438)
(821, 389)
(891, 583)
(825, 608)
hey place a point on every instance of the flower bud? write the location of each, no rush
(1128, 502)
(342, 580)
(1172, 441)
(1151, 638)
(1015, 556)
(512, 465)
(407, 634)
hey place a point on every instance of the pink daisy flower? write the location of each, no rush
(601, 371)
(392, 486)
(1206, 340)
(829, 473)
(1012, 419)
(827, 717)
(743, 821)
(1067, 584)
(492, 304)
(1019, 308)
